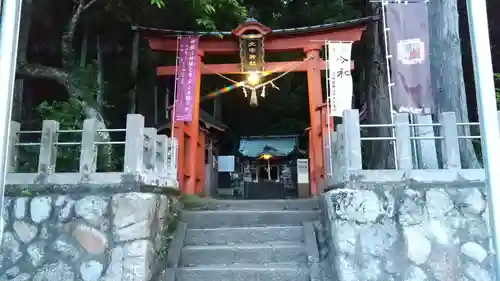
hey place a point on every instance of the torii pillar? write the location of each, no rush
(315, 135)
(186, 171)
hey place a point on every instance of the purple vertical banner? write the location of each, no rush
(186, 76)
(410, 66)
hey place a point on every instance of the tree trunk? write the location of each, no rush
(17, 110)
(100, 76)
(64, 75)
(379, 154)
(446, 70)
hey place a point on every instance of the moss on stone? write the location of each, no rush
(169, 226)
(197, 203)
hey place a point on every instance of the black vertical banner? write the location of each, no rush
(252, 53)
(410, 67)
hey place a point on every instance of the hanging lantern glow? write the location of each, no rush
(253, 78)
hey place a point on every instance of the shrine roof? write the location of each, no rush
(277, 32)
(278, 146)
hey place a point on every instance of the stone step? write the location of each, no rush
(244, 273)
(243, 253)
(247, 218)
(241, 235)
(286, 204)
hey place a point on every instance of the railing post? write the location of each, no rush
(134, 145)
(328, 152)
(150, 149)
(403, 141)
(88, 150)
(170, 160)
(450, 144)
(13, 152)
(173, 157)
(48, 147)
(426, 149)
(337, 154)
(352, 144)
(161, 155)
(498, 116)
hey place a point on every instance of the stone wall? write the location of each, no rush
(107, 237)
(379, 231)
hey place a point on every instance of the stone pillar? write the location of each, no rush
(340, 172)
(88, 149)
(403, 142)
(426, 149)
(450, 146)
(352, 144)
(13, 152)
(162, 150)
(173, 156)
(134, 145)
(48, 148)
(180, 136)
(150, 135)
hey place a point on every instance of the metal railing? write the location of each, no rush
(415, 143)
(148, 157)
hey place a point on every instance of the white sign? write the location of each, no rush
(339, 79)
(302, 171)
(226, 163)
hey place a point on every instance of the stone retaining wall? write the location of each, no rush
(412, 232)
(107, 237)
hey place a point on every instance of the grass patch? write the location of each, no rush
(169, 227)
(196, 202)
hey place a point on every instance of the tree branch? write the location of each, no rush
(44, 72)
(90, 3)
(69, 34)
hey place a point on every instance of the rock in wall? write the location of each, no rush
(380, 232)
(75, 237)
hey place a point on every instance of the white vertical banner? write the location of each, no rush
(302, 170)
(339, 77)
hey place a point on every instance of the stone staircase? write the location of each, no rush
(252, 240)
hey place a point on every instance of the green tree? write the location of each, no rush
(82, 80)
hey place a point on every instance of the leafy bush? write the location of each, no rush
(70, 114)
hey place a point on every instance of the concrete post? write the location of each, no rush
(173, 157)
(337, 158)
(88, 149)
(498, 116)
(150, 135)
(426, 149)
(13, 151)
(450, 144)
(134, 145)
(48, 147)
(341, 159)
(161, 155)
(328, 152)
(403, 141)
(352, 144)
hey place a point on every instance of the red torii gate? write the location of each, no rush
(310, 40)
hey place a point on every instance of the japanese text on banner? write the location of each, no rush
(339, 77)
(187, 69)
